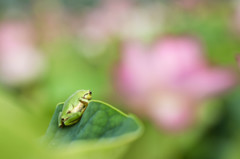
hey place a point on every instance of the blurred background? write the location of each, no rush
(170, 62)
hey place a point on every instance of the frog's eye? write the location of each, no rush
(90, 92)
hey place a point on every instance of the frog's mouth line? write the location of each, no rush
(88, 95)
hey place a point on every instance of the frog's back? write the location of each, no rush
(72, 101)
(69, 103)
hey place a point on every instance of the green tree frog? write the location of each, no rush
(74, 108)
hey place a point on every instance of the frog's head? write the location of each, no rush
(87, 95)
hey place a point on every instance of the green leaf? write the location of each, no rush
(102, 131)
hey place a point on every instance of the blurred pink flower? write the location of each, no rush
(116, 19)
(104, 20)
(167, 81)
(20, 60)
(125, 19)
(188, 4)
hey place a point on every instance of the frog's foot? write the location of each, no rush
(60, 120)
(62, 124)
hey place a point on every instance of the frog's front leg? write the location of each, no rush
(74, 118)
(84, 101)
(60, 124)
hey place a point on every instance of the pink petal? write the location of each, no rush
(14, 35)
(132, 73)
(20, 60)
(175, 56)
(207, 82)
(172, 112)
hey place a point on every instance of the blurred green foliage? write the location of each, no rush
(26, 110)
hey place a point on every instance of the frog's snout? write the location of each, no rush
(88, 95)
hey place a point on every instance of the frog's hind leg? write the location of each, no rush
(73, 122)
(74, 118)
